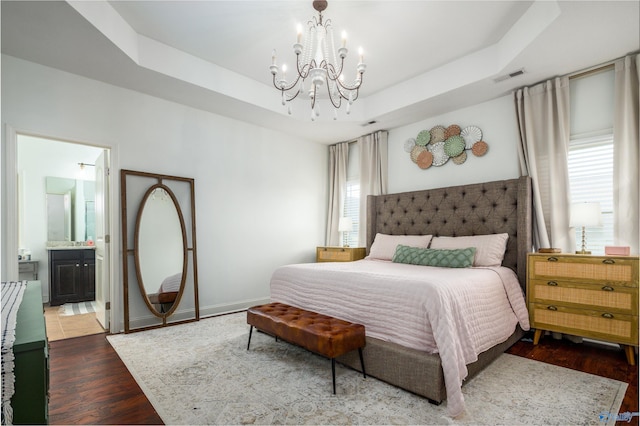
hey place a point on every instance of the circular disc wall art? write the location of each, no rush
(460, 158)
(454, 146)
(439, 156)
(471, 135)
(416, 151)
(409, 144)
(423, 138)
(437, 134)
(453, 130)
(425, 159)
(479, 148)
(434, 147)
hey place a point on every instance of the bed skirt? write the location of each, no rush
(416, 371)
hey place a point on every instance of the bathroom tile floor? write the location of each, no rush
(64, 327)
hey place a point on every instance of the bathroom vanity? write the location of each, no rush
(71, 275)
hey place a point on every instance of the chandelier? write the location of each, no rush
(317, 66)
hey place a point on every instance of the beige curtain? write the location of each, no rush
(373, 174)
(338, 157)
(543, 120)
(626, 140)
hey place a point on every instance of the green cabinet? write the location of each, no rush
(31, 360)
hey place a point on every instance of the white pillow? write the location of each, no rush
(489, 248)
(384, 246)
(171, 283)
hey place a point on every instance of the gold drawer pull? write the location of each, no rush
(607, 315)
(552, 259)
(609, 261)
(552, 283)
(552, 308)
(608, 288)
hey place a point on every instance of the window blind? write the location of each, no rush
(352, 210)
(590, 165)
(352, 194)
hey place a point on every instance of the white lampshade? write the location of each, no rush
(585, 214)
(345, 224)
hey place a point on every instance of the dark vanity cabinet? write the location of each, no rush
(72, 275)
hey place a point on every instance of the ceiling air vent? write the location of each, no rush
(508, 76)
(369, 123)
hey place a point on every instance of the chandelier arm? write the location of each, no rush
(285, 89)
(304, 71)
(331, 71)
(313, 99)
(339, 100)
(293, 97)
(343, 94)
(336, 75)
(355, 86)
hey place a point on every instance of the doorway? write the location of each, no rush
(46, 168)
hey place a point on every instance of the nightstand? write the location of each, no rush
(583, 295)
(340, 254)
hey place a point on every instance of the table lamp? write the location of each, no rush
(345, 225)
(585, 214)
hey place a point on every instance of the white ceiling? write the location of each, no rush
(424, 58)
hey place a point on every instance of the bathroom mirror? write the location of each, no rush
(70, 209)
(159, 250)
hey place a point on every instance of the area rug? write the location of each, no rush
(202, 373)
(78, 308)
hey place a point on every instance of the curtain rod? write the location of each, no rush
(356, 139)
(583, 72)
(591, 71)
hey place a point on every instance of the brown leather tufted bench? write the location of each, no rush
(322, 334)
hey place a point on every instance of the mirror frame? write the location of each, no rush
(136, 250)
(156, 181)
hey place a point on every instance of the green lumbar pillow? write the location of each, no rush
(458, 258)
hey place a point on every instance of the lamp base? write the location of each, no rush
(583, 252)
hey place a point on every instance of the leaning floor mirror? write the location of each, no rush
(160, 273)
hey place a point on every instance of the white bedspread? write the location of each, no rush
(456, 312)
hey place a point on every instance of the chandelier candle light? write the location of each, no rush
(317, 62)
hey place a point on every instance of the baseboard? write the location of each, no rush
(187, 314)
(210, 311)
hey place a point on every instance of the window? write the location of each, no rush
(591, 179)
(352, 210)
(352, 195)
(590, 159)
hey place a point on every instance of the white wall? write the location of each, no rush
(260, 194)
(495, 118)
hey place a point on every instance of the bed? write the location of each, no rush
(402, 359)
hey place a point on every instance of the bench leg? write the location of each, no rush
(249, 342)
(362, 362)
(333, 374)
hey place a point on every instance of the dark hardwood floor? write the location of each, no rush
(90, 385)
(601, 360)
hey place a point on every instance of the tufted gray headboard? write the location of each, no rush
(475, 209)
